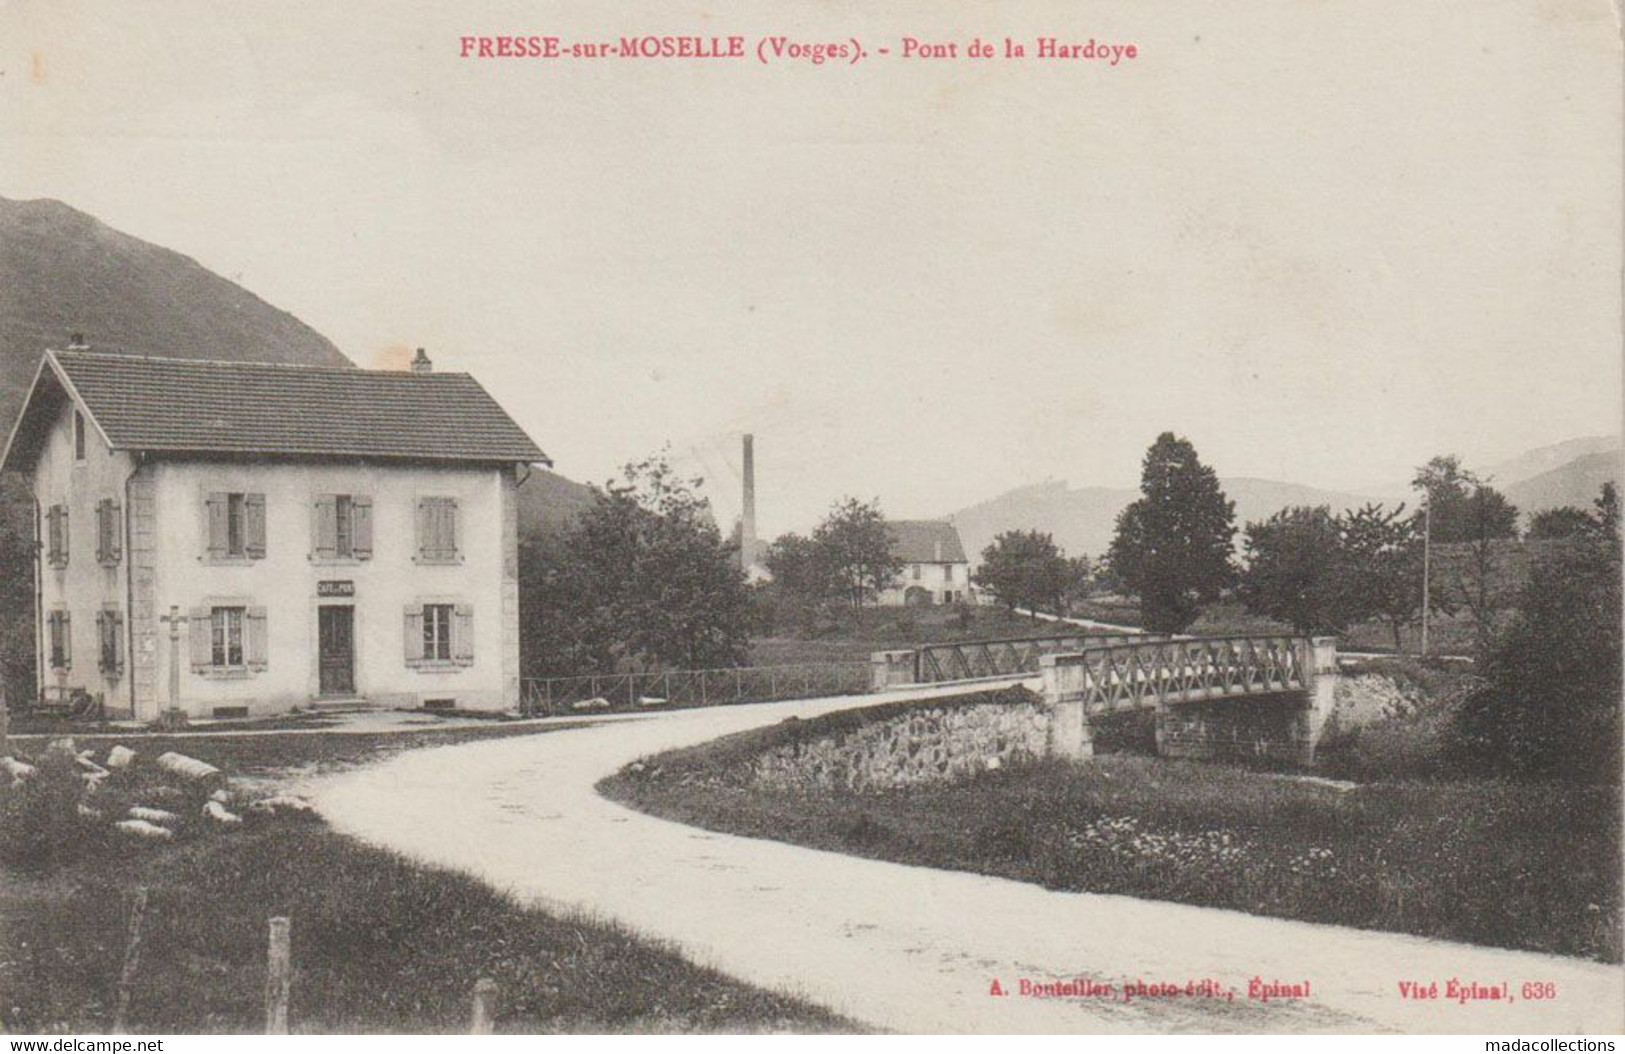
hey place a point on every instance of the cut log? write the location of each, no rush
(120, 757)
(595, 703)
(91, 768)
(17, 770)
(652, 700)
(219, 813)
(88, 813)
(151, 815)
(221, 795)
(281, 803)
(143, 829)
(190, 769)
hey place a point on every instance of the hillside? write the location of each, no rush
(64, 272)
(1083, 519)
(548, 502)
(1575, 483)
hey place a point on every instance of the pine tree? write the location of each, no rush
(1173, 545)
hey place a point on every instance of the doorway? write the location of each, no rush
(335, 656)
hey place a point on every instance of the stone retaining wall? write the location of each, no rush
(920, 745)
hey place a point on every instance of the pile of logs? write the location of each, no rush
(183, 779)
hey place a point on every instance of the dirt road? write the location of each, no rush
(905, 948)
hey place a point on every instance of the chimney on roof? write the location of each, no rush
(747, 515)
(421, 364)
(76, 342)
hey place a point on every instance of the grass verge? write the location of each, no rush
(379, 945)
(1517, 865)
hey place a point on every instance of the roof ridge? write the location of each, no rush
(306, 367)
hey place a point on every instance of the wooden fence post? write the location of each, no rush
(485, 999)
(132, 956)
(278, 979)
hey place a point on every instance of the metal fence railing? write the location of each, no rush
(668, 689)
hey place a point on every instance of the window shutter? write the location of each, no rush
(449, 530)
(115, 531)
(414, 633)
(327, 526)
(200, 627)
(254, 526)
(361, 526)
(216, 506)
(53, 531)
(462, 634)
(422, 532)
(101, 640)
(67, 640)
(101, 539)
(256, 639)
(117, 619)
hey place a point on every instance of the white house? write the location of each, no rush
(238, 538)
(935, 570)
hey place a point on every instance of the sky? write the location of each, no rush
(1323, 240)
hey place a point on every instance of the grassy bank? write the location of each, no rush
(379, 945)
(798, 636)
(1532, 866)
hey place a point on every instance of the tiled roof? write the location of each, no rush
(261, 408)
(926, 541)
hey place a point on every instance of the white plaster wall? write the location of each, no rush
(933, 576)
(285, 581)
(85, 585)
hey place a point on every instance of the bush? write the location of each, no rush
(1550, 704)
(41, 826)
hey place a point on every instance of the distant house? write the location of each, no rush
(238, 538)
(935, 570)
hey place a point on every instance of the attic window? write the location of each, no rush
(78, 435)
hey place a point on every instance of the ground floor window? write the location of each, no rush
(226, 627)
(58, 631)
(110, 637)
(437, 632)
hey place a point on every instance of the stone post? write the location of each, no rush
(890, 669)
(1319, 665)
(1070, 736)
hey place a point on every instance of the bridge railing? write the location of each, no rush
(1007, 657)
(675, 689)
(1116, 677)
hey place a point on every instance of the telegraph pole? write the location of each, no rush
(1427, 561)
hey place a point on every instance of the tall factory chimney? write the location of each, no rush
(747, 515)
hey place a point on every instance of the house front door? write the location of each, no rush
(336, 649)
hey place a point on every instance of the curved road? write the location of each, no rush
(904, 948)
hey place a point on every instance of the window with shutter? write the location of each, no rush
(462, 635)
(109, 532)
(217, 512)
(199, 629)
(61, 640)
(414, 634)
(254, 526)
(326, 527)
(57, 523)
(361, 509)
(110, 637)
(437, 530)
(256, 643)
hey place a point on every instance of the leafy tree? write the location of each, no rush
(855, 547)
(1025, 569)
(16, 590)
(1382, 566)
(799, 568)
(1550, 704)
(1565, 521)
(1081, 575)
(1462, 506)
(1296, 571)
(643, 578)
(1173, 545)
(1606, 510)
